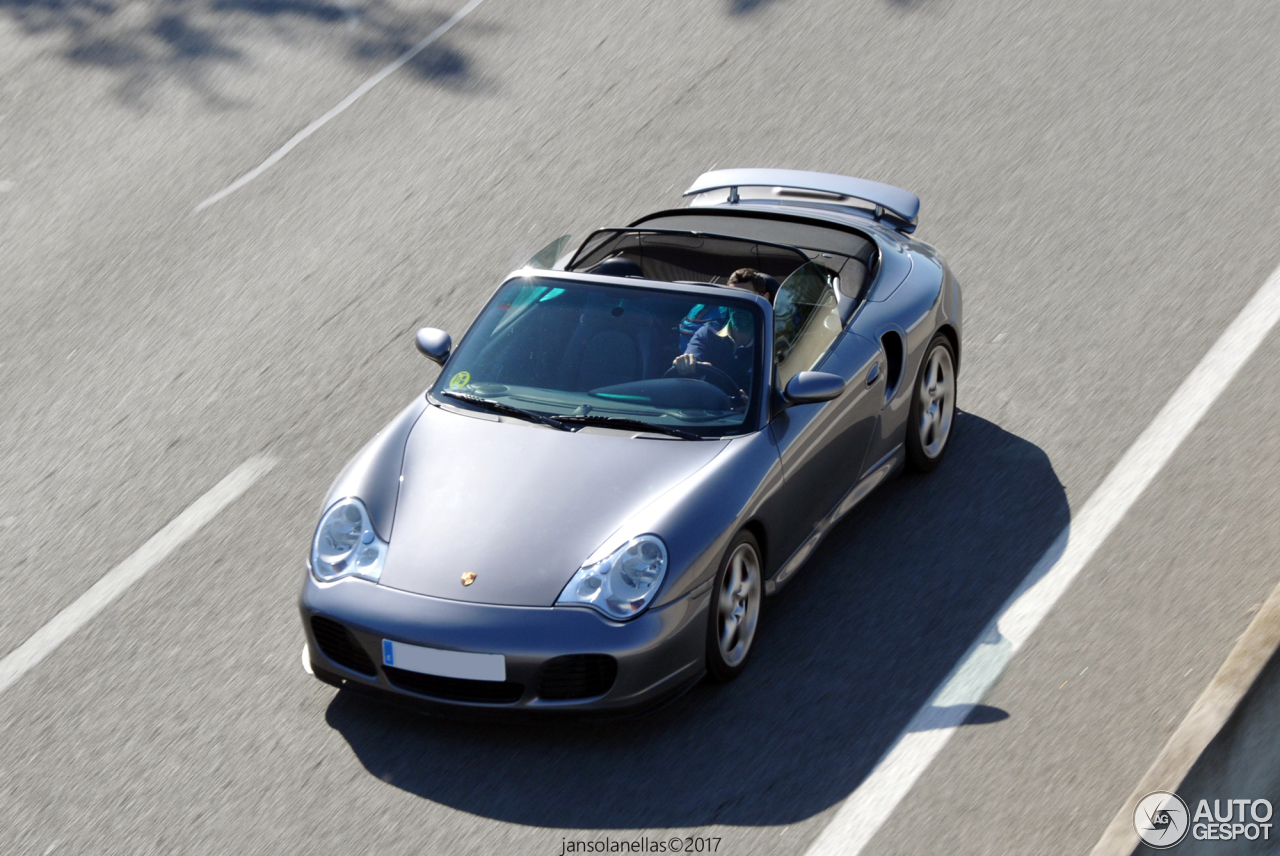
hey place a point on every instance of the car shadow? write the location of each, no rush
(846, 655)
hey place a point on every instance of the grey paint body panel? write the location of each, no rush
(520, 505)
(895, 266)
(373, 474)
(523, 506)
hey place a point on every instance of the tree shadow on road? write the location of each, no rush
(186, 42)
(846, 655)
(744, 7)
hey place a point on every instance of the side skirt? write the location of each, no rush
(856, 494)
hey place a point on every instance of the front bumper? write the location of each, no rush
(658, 654)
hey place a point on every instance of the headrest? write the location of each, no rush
(617, 266)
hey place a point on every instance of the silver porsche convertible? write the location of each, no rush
(578, 517)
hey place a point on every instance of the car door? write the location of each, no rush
(821, 446)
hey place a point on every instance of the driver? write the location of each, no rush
(729, 347)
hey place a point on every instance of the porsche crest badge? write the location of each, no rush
(468, 578)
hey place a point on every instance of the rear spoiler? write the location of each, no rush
(900, 207)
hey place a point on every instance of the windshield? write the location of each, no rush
(570, 349)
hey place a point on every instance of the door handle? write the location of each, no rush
(873, 375)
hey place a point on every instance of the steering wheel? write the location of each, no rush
(715, 377)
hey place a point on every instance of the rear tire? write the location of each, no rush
(734, 613)
(933, 407)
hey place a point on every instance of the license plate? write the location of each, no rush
(444, 664)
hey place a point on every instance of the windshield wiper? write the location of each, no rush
(627, 424)
(563, 422)
(506, 409)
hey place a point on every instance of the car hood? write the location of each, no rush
(521, 506)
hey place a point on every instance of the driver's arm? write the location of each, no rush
(698, 351)
(687, 364)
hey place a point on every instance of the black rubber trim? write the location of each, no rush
(454, 689)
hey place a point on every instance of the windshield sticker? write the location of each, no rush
(459, 380)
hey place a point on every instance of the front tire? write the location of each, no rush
(735, 609)
(933, 407)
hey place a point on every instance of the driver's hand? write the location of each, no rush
(686, 364)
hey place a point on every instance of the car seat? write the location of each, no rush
(611, 345)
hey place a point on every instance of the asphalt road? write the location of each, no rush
(1102, 177)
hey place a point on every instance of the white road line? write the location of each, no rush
(1201, 725)
(862, 814)
(355, 96)
(45, 640)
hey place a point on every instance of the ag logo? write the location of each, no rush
(1161, 819)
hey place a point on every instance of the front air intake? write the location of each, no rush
(339, 645)
(577, 676)
(454, 689)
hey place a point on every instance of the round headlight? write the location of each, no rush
(346, 545)
(636, 569)
(623, 583)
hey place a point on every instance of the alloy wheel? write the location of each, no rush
(937, 400)
(738, 605)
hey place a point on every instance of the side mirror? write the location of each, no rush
(434, 344)
(812, 387)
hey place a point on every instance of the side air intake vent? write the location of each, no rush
(893, 354)
(337, 643)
